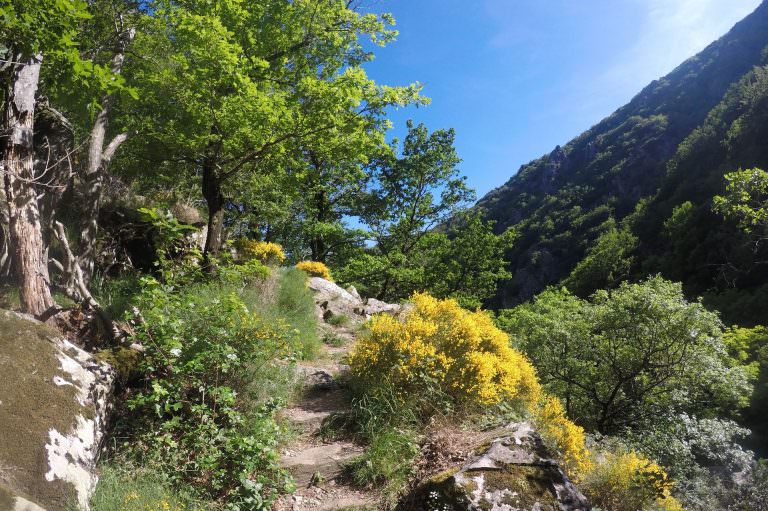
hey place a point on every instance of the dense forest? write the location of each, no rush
(199, 194)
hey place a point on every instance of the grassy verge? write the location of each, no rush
(124, 487)
(290, 302)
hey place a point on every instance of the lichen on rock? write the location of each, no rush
(514, 473)
(54, 400)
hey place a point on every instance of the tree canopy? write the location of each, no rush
(626, 356)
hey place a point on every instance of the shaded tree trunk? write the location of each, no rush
(24, 225)
(317, 243)
(214, 198)
(5, 253)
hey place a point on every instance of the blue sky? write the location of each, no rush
(517, 77)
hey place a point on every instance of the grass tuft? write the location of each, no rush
(387, 463)
(338, 320)
(334, 340)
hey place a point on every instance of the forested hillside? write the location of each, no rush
(562, 202)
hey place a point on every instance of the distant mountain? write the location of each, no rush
(561, 202)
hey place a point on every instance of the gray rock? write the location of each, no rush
(514, 473)
(325, 290)
(353, 291)
(374, 306)
(333, 300)
(55, 401)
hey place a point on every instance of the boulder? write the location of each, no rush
(374, 306)
(333, 300)
(325, 290)
(353, 291)
(187, 214)
(54, 402)
(514, 473)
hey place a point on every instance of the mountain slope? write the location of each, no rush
(560, 202)
(679, 234)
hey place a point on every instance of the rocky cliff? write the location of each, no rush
(560, 201)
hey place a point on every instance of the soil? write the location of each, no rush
(317, 464)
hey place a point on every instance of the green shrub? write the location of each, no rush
(333, 340)
(624, 355)
(246, 274)
(293, 305)
(116, 294)
(338, 320)
(191, 417)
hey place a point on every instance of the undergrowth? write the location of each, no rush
(125, 487)
(292, 303)
(443, 364)
(218, 363)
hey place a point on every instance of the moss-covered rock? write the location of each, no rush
(54, 398)
(512, 473)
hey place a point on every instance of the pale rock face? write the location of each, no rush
(353, 291)
(54, 423)
(333, 300)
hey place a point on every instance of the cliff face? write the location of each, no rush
(559, 201)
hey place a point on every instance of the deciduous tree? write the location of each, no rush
(31, 32)
(629, 356)
(233, 84)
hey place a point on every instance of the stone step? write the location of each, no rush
(316, 464)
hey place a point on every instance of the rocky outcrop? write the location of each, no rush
(54, 401)
(513, 473)
(333, 300)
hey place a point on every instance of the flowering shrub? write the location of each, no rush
(315, 269)
(442, 350)
(265, 252)
(566, 437)
(629, 482)
(440, 344)
(202, 345)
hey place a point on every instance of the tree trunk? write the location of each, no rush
(25, 228)
(317, 244)
(214, 198)
(93, 178)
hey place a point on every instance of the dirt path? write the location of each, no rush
(316, 464)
